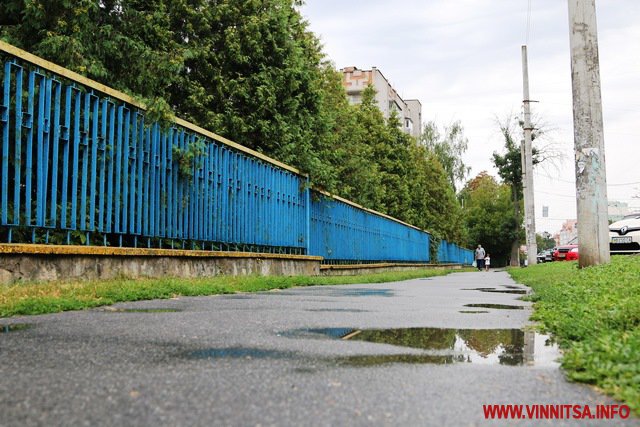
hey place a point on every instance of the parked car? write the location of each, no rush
(545, 256)
(624, 235)
(566, 253)
(549, 255)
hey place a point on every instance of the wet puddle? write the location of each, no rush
(238, 353)
(354, 292)
(384, 359)
(498, 291)
(497, 306)
(15, 327)
(506, 291)
(513, 347)
(338, 310)
(472, 311)
(365, 293)
(138, 310)
(318, 332)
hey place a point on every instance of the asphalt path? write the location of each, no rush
(278, 358)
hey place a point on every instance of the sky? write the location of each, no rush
(462, 60)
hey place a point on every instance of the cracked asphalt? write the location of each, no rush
(276, 358)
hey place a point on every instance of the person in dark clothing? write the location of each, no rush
(480, 254)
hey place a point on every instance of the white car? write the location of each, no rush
(624, 235)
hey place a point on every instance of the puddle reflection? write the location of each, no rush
(498, 291)
(506, 291)
(365, 292)
(238, 353)
(511, 347)
(138, 310)
(5, 329)
(497, 306)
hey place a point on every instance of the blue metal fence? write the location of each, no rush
(453, 253)
(342, 231)
(80, 164)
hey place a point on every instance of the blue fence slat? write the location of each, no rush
(151, 187)
(251, 201)
(110, 157)
(233, 195)
(145, 181)
(58, 137)
(138, 182)
(95, 143)
(102, 165)
(84, 147)
(42, 152)
(28, 124)
(5, 121)
(174, 194)
(17, 148)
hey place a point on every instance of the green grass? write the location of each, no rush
(595, 315)
(52, 297)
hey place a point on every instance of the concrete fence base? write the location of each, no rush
(35, 263)
(24, 263)
(354, 269)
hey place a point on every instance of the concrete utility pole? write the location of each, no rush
(527, 168)
(591, 179)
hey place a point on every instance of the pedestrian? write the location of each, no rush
(487, 262)
(480, 254)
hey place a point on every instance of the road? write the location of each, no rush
(281, 358)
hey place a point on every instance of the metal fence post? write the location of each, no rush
(307, 205)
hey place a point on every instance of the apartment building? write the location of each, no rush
(409, 111)
(569, 233)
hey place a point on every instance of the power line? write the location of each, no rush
(628, 109)
(570, 196)
(555, 179)
(544, 218)
(622, 185)
(555, 194)
(573, 182)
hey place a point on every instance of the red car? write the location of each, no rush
(566, 253)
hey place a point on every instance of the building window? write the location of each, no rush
(393, 106)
